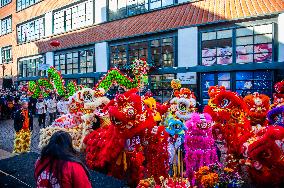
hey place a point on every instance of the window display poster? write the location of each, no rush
(187, 78)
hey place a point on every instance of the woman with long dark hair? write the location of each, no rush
(58, 166)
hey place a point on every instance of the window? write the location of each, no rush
(87, 82)
(21, 4)
(87, 61)
(72, 62)
(158, 52)
(160, 86)
(243, 82)
(211, 79)
(4, 2)
(79, 61)
(32, 30)
(123, 8)
(74, 17)
(118, 56)
(217, 47)
(6, 54)
(252, 44)
(6, 25)
(28, 67)
(250, 82)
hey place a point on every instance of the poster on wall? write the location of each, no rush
(187, 78)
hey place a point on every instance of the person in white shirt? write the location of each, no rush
(51, 104)
(41, 111)
(62, 106)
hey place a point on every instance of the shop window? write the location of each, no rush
(28, 67)
(6, 25)
(86, 61)
(72, 62)
(160, 86)
(158, 52)
(6, 54)
(118, 57)
(212, 79)
(217, 48)
(252, 44)
(138, 51)
(31, 30)
(250, 82)
(77, 16)
(77, 61)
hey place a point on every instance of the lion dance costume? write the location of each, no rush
(258, 151)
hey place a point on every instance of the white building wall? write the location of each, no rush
(281, 37)
(48, 23)
(100, 11)
(188, 47)
(101, 50)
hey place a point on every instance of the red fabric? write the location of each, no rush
(73, 175)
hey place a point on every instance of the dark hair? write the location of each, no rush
(58, 151)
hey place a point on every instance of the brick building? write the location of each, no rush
(235, 43)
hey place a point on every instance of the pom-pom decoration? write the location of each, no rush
(54, 82)
(22, 141)
(199, 144)
(114, 76)
(276, 116)
(176, 84)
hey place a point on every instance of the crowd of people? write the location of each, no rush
(44, 107)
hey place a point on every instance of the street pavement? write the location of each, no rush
(7, 134)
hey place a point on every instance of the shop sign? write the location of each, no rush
(187, 78)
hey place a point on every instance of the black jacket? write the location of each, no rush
(19, 120)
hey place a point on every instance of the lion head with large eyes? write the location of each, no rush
(258, 105)
(183, 104)
(127, 111)
(226, 106)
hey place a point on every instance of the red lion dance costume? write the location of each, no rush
(259, 151)
(118, 148)
(258, 105)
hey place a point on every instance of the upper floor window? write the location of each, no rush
(79, 61)
(6, 54)
(158, 52)
(74, 17)
(123, 8)
(6, 25)
(247, 45)
(21, 4)
(29, 67)
(4, 2)
(31, 30)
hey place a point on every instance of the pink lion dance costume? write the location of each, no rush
(199, 144)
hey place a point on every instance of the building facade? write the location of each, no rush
(236, 44)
